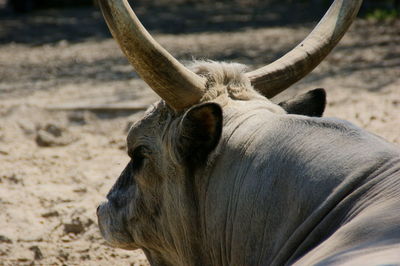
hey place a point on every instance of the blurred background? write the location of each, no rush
(68, 96)
(56, 19)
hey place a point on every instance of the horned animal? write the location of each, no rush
(221, 175)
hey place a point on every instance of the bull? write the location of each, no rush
(220, 175)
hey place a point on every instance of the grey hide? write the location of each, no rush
(271, 188)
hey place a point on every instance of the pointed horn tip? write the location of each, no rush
(274, 78)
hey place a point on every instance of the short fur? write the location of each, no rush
(272, 188)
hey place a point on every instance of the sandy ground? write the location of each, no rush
(56, 166)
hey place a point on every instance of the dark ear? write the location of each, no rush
(200, 131)
(311, 103)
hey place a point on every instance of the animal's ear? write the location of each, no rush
(311, 103)
(200, 131)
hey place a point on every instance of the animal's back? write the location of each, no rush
(323, 169)
(360, 219)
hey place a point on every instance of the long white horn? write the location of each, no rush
(279, 75)
(172, 81)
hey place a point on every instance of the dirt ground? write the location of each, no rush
(56, 165)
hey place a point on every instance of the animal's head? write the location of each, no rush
(153, 202)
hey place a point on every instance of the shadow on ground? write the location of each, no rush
(74, 25)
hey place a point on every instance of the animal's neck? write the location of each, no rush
(268, 167)
(180, 240)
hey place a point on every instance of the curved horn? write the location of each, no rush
(172, 81)
(279, 75)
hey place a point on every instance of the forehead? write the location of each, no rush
(151, 124)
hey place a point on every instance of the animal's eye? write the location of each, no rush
(137, 156)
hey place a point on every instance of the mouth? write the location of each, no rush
(112, 228)
(100, 217)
